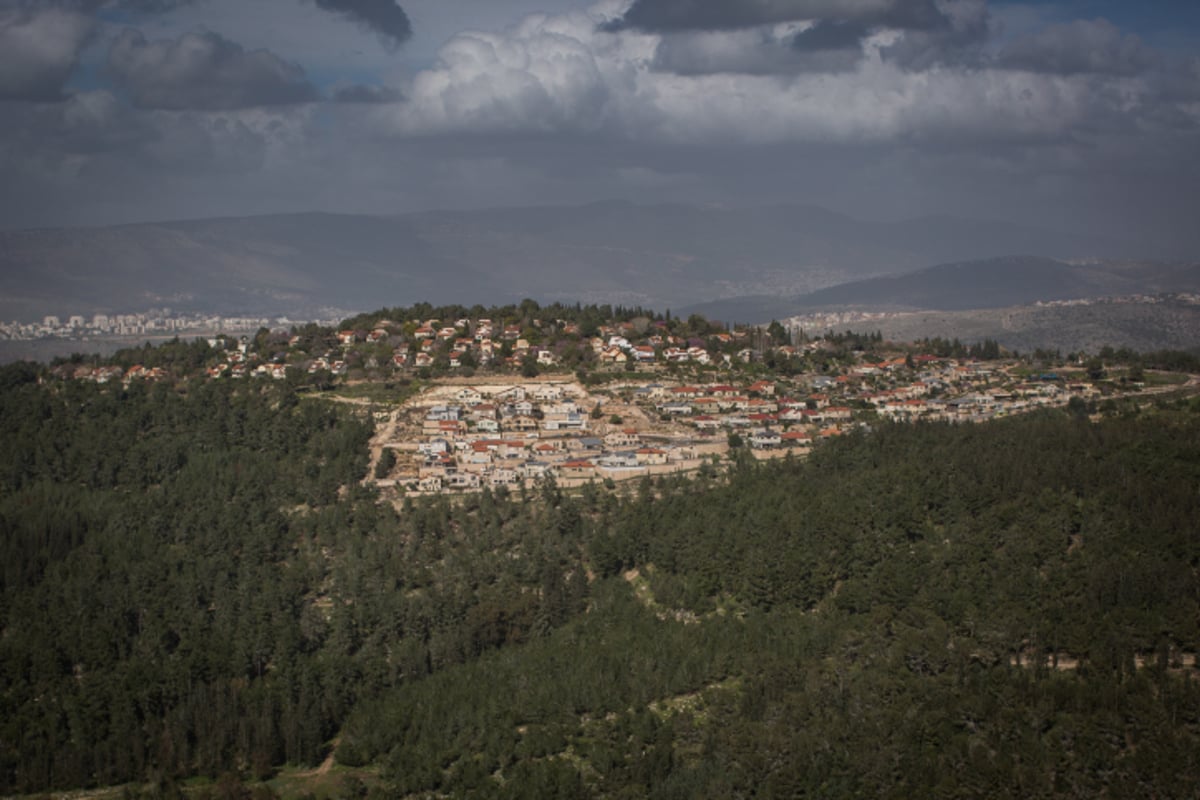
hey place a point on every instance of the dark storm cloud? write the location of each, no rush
(366, 94)
(1078, 47)
(932, 32)
(41, 40)
(760, 52)
(831, 35)
(911, 15)
(84, 124)
(1182, 83)
(383, 17)
(93, 6)
(143, 6)
(931, 35)
(203, 71)
(39, 51)
(662, 16)
(92, 158)
(958, 40)
(95, 130)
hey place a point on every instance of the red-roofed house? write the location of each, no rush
(650, 456)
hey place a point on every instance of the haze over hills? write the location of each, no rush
(1003, 299)
(661, 256)
(1009, 281)
(1075, 327)
(979, 284)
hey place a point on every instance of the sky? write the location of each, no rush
(1076, 115)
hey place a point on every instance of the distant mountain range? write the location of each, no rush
(1010, 281)
(983, 284)
(661, 256)
(1086, 326)
(1002, 299)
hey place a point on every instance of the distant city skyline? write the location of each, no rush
(1072, 115)
(151, 321)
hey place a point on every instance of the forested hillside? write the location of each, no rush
(195, 583)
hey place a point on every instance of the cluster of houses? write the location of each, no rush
(765, 420)
(477, 436)
(487, 436)
(946, 389)
(464, 342)
(483, 343)
(480, 342)
(491, 436)
(239, 361)
(110, 373)
(470, 436)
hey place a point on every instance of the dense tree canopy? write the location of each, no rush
(195, 582)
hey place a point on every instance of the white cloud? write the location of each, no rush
(549, 73)
(558, 74)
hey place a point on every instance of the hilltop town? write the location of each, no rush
(469, 435)
(465, 399)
